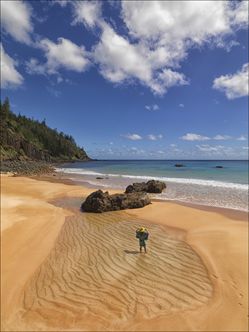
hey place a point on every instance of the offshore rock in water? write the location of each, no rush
(100, 201)
(152, 186)
(179, 165)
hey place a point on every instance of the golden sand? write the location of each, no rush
(67, 270)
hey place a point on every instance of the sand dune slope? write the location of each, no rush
(94, 279)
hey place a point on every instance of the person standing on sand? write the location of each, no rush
(142, 234)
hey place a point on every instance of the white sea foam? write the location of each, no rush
(77, 171)
(223, 204)
(201, 182)
(93, 183)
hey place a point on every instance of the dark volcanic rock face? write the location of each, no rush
(151, 186)
(154, 186)
(100, 201)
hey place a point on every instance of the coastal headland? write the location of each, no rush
(65, 270)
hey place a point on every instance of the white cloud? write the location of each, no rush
(16, 20)
(168, 29)
(203, 150)
(233, 85)
(221, 137)
(135, 151)
(174, 21)
(87, 12)
(118, 59)
(194, 137)
(160, 34)
(133, 137)
(166, 79)
(63, 54)
(242, 138)
(34, 67)
(218, 151)
(173, 145)
(209, 148)
(181, 105)
(10, 77)
(197, 137)
(62, 3)
(153, 107)
(240, 14)
(227, 45)
(152, 137)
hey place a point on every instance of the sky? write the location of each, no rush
(132, 79)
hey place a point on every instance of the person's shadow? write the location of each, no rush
(131, 252)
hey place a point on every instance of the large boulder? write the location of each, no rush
(97, 201)
(151, 186)
(154, 186)
(100, 201)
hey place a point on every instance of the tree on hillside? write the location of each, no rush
(18, 130)
(5, 109)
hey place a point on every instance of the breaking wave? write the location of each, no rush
(201, 182)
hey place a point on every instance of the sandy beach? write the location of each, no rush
(64, 270)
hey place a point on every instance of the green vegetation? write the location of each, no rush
(27, 139)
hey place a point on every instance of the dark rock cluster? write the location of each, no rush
(135, 196)
(24, 167)
(152, 187)
(100, 201)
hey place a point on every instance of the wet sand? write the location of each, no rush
(67, 270)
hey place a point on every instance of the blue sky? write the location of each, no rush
(130, 79)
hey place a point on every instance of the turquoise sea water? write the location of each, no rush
(197, 182)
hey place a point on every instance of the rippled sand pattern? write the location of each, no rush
(95, 279)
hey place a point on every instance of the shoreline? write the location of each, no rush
(223, 195)
(211, 233)
(60, 177)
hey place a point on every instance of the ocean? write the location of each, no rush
(198, 182)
